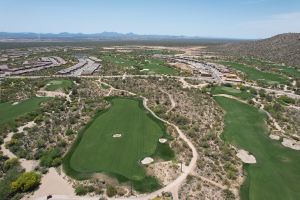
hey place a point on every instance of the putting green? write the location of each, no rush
(9, 112)
(96, 150)
(59, 84)
(276, 175)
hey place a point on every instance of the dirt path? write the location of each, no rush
(219, 185)
(185, 84)
(28, 165)
(173, 103)
(172, 187)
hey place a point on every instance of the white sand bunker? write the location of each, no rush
(274, 137)
(246, 157)
(53, 183)
(15, 103)
(117, 135)
(290, 143)
(162, 140)
(147, 161)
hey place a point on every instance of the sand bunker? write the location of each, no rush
(274, 137)
(290, 143)
(117, 135)
(162, 140)
(53, 183)
(147, 161)
(246, 157)
(15, 103)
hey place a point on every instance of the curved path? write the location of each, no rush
(173, 103)
(28, 165)
(172, 187)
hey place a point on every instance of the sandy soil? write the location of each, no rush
(246, 157)
(162, 140)
(117, 135)
(52, 183)
(166, 172)
(6, 151)
(44, 93)
(290, 143)
(28, 165)
(274, 137)
(181, 66)
(188, 85)
(147, 161)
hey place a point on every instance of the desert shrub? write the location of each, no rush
(111, 191)
(228, 195)
(26, 182)
(51, 158)
(13, 162)
(81, 190)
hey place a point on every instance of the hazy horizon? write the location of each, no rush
(248, 19)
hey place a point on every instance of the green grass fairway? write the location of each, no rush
(276, 175)
(9, 112)
(256, 75)
(154, 66)
(59, 84)
(97, 151)
(288, 70)
(232, 91)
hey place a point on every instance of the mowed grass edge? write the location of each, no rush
(276, 174)
(148, 184)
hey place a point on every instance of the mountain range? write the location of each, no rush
(104, 36)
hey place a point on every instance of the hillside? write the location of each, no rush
(284, 48)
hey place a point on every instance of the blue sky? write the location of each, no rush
(208, 18)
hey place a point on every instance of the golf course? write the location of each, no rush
(9, 112)
(256, 75)
(59, 84)
(150, 65)
(276, 174)
(116, 141)
(245, 95)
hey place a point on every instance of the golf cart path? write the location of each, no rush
(289, 143)
(174, 186)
